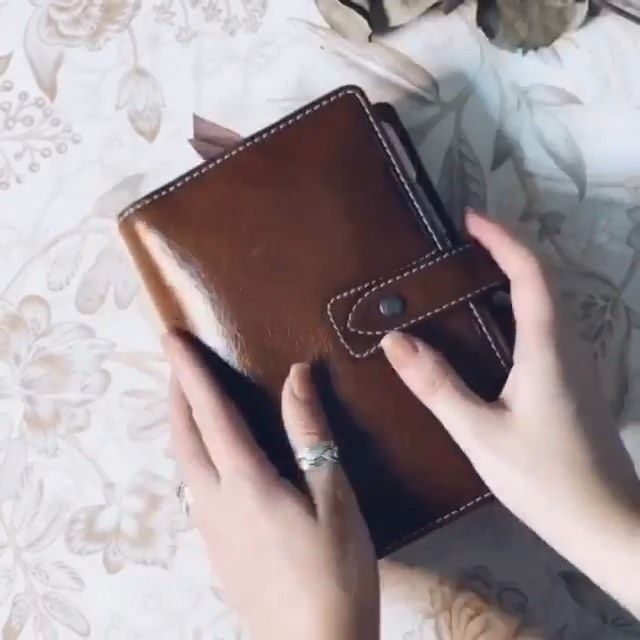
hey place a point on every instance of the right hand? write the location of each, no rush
(546, 448)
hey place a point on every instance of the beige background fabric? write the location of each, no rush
(96, 107)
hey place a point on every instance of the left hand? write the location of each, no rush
(294, 566)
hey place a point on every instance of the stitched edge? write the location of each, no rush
(345, 344)
(433, 312)
(346, 294)
(414, 535)
(249, 142)
(194, 173)
(377, 280)
(409, 192)
(488, 335)
(283, 124)
(405, 274)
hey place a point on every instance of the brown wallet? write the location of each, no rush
(308, 241)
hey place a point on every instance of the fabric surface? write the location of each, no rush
(97, 104)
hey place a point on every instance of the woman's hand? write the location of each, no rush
(546, 448)
(294, 567)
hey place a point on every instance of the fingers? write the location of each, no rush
(436, 385)
(197, 468)
(530, 294)
(306, 426)
(224, 433)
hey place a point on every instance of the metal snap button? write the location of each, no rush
(392, 306)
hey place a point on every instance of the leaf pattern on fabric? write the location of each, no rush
(22, 608)
(345, 20)
(550, 56)
(65, 264)
(44, 531)
(512, 117)
(549, 95)
(55, 574)
(149, 413)
(45, 59)
(399, 12)
(115, 199)
(461, 183)
(603, 322)
(13, 462)
(44, 628)
(28, 500)
(111, 269)
(556, 139)
(502, 149)
(6, 583)
(66, 613)
(36, 525)
(393, 64)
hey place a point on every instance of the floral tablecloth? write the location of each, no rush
(97, 104)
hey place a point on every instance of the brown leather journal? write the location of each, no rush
(308, 242)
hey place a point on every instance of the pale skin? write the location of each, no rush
(296, 566)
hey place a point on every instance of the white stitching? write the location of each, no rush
(404, 274)
(415, 534)
(440, 258)
(401, 270)
(206, 166)
(344, 343)
(408, 192)
(488, 335)
(345, 294)
(428, 314)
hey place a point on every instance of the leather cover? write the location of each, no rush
(281, 250)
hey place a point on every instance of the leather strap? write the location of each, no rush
(426, 288)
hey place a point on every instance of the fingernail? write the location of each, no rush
(300, 381)
(471, 216)
(399, 347)
(470, 213)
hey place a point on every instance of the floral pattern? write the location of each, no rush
(39, 583)
(138, 525)
(31, 134)
(84, 22)
(97, 104)
(53, 370)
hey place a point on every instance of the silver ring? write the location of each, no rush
(318, 455)
(184, 497)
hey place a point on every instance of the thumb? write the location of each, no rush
(433, 381)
